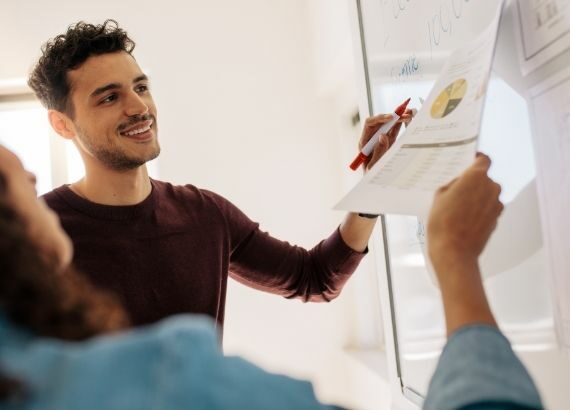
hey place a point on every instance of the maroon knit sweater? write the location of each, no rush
(172, 253)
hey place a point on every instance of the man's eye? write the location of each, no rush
(142, 88)
(108, 99)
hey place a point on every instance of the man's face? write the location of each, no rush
(114, 113)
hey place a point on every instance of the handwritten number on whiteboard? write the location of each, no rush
(442, 21)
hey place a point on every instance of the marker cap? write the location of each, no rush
(360, 158)
(402, 108)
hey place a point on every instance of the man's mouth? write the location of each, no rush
(137, 129)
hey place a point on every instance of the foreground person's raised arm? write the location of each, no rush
(478, 368)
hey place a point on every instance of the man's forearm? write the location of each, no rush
(356, 230)
(463, 295)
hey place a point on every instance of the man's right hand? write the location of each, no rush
(371, 125)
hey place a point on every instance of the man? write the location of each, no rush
(163, 249)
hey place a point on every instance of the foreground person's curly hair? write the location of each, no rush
(48, 303)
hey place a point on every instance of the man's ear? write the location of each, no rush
(61, 124)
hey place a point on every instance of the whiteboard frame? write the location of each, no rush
(403, 397)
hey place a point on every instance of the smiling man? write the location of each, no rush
(164, 249)
(111, 117)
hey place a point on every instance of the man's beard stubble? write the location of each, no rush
(115, 158)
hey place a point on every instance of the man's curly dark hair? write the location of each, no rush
(67, 52)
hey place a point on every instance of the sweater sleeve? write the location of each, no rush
(479, 370)
(265, 263)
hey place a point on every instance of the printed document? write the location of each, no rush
(439, 143)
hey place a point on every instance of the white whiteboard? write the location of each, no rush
(405, 44)
(412, 37)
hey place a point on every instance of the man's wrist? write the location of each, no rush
(453, 267)
(447, 254)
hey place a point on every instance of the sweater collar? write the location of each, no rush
(108, 212)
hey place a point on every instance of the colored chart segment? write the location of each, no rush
(448, 100)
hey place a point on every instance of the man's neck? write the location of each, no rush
(109, 187)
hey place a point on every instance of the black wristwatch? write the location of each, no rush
(369, 216)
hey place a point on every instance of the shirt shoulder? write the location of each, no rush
(206, 202)
(174, 364)
(187, 194)
(55, 198)
(117, 371)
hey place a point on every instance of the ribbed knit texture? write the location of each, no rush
(172, 253)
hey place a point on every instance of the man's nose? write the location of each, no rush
(135, 105)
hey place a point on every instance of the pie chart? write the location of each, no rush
(448, 100)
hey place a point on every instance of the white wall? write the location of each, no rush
(243, 110)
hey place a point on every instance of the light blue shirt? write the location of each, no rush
(177, 364)
(173, 365)
(479, 368)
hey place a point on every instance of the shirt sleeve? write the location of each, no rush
(265, 263)
(479, 370)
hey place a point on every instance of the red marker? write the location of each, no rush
(367, 150)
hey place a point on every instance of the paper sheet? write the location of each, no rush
(439, 143)
(550, 103)
(544, 31)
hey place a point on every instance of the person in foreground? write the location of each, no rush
(64, 344)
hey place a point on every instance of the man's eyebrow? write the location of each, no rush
(142, 77)
(114, 86)
(105, 88)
